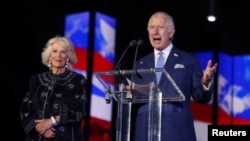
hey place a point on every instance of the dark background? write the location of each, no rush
(28, 24)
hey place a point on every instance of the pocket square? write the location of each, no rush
(177, 66)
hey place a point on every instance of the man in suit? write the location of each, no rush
(184, 68)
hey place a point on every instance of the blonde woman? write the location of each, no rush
(55, 103)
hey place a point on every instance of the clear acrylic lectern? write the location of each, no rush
(138, 86)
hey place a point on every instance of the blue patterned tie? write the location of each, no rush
(159, 64)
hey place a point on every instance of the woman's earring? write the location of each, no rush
(67, 63)
(49, 64)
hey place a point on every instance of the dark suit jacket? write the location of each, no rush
(177, 121)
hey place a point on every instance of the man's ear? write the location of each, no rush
(171, 34)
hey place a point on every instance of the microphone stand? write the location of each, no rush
(108, 92)
(128, 106)
(119, 117)
(139, 43)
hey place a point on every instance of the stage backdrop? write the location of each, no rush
(95, 48)
(232, 106)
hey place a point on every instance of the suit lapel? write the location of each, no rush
(151, 59)
(172, 58)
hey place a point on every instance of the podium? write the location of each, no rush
(138, 86)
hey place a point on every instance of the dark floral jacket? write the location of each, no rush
(51, 95)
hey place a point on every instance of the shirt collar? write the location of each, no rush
(166, 50)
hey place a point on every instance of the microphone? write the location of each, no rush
(139, 43)
(108, 92)
(131, 44)
(129, 95)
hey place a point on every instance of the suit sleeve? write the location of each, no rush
(200, 94)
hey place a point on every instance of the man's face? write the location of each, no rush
(159, 32)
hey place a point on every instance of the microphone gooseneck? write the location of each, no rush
(139, 43)
(131, 44)
(108, 92)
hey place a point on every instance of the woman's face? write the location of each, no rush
(58, 56)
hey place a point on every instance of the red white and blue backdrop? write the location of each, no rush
(231, 102)
(102, 57)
